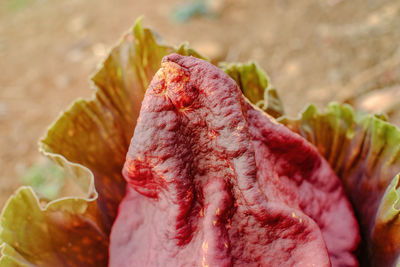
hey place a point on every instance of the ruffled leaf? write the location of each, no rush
(64, 233)
(214, 180)
(12, 258)
(89, 141)
(46, 179)
(256, 86)
(364, 150)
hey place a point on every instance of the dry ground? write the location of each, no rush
(314, 51)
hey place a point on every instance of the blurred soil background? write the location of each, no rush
(315, 51)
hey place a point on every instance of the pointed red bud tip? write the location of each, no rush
(213, 181)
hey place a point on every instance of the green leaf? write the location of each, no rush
(256, 86)
(12, 258)
(91, 138)
(364, 150)
(46, 179)
(64, 233)
(89, 141)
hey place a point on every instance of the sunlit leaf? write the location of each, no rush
(365, 153)
(89, 141)
(45, 178)
(256, 86)
(65, 232)
(91, 138)
(206, 167)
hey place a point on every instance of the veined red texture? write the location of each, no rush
(214, 181)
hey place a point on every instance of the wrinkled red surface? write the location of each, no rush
(215, 182)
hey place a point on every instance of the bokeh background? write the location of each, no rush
(315, 51)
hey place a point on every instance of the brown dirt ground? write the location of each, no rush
(314, 51)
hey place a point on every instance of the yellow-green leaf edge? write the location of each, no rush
(364, 151)
(339, 133)
(138, 51)
(256, 86)
(137, 56)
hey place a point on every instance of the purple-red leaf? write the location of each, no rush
(215, 181)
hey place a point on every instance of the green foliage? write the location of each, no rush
(46, 179)
(364, 151)
(16, 5)
(256, 86)
(90, 140)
